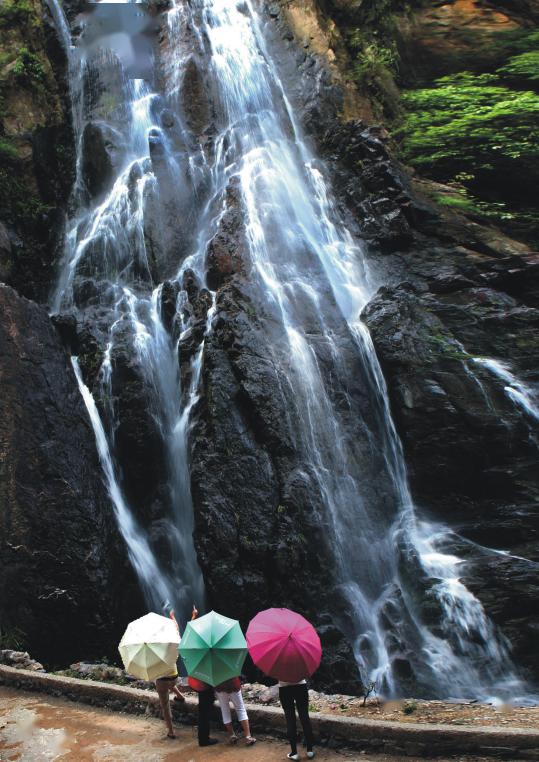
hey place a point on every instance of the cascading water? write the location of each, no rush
(524, 398)
(308, 274)
(105, 239)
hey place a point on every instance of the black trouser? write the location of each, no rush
(205, 703)
(292, 697)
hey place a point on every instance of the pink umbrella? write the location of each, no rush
(284, 645)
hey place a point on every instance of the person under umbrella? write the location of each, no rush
(149, 651)
(213, 649)
(296, 696)
(286, 646)
(230, 691)
(206, 697)
(167, 684)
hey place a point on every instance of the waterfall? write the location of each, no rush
(308, 274)
(150, 575)
(105, 238)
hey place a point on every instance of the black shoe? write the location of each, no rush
(209, 742)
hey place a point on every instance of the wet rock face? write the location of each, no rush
(373, 185)
(194, 98)
(259, 538)
(139, 445)
(471, 451)
(227, 249)
(62, 566)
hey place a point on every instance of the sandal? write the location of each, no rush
(232, 739)
(249, 740)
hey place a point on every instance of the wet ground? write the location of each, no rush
(40, 728)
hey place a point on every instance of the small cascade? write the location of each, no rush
(523, 397)
(152, 579)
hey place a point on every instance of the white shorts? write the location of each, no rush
(237, 700)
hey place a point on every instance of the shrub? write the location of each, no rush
(15, 12)
(468, 119)
(28, 68)
(525, 66)
(8, 151)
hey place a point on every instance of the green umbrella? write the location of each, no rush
(213, 648)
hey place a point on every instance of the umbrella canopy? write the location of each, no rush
(213, 648)
(284, 645)
(149, 647)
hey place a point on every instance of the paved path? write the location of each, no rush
(39, 728)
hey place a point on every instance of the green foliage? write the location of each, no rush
(461, 202)
(519, 41)
(524, 66)
(16, 202)
(15, 12)
(373, 59)
(469, 119)
(28, 68)
(479, 133)
(8, 152)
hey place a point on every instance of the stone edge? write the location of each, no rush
(373, 735)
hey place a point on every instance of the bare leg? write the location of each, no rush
(178, 694)
(247, 732)
(229, 727)
(165, 708)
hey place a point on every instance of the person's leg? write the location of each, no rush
(226, 714)
(302, 703)
(205, 703)
(178, 695)
(163, 688)
(239, 706)
(286, 697)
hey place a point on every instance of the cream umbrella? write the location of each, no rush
(149, 647)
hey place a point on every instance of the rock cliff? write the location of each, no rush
(65, 586)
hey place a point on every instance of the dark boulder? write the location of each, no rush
(226, 252)
(99, 157)
(65, 585)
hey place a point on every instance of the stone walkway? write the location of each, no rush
(39, 728)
